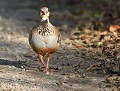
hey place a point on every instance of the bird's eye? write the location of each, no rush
(42, 12)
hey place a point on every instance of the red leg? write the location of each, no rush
(47, 64)
(41, 58)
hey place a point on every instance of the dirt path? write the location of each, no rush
(20, 69)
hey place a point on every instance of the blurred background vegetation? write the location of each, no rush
(94, 14)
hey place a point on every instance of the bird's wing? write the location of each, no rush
(56, 31)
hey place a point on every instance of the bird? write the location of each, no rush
(45, 38)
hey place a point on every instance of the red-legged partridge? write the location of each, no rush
(45, 38)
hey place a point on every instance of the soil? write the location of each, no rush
(86, 61)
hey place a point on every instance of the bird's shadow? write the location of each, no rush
(17, 64)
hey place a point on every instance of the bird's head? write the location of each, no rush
(44, 13)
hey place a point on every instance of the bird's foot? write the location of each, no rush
(46, 71)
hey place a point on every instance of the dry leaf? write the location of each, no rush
(114, 28)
